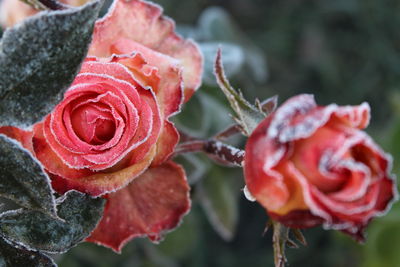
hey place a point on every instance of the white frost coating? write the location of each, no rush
(233, 151)
(280, 125)
(355, 113)
(300, 103)
(273, 159)
(248, 195)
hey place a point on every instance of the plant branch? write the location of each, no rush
(223, 153)
(228, 132)
(279, 239)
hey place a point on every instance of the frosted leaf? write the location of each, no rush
(14, 255)
(233, 55)
(248, 116)
(22, 178)
(39, 59)
(80, 214)
(219, 198)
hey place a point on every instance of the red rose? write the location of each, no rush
(111, 134)
(309, 164)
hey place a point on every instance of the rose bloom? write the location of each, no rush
(309, 165)
(14, 11)
(111, 136)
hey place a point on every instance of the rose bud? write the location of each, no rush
(111, 136)
(14, 11)
(309, 165)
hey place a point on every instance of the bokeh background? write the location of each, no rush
(342, 51)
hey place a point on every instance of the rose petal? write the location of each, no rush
(166, 143)
(143, 23)
(103, 183)
(354, 116)
(117, 67)
(152, 204)
(315, 155)
(49, 159)
(22, 136)
(114, 69)
(66, 129)
(262, 155)
(169, 91)
(353, 217)
(299, 117)
(138, 153)
(129, 140)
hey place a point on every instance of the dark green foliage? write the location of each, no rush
(34, 230)
(23, 180)
(13, 255)
(219, 194)
(39, 59)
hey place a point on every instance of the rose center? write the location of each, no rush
(93, 123)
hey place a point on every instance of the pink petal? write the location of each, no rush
(315, 155)
(50, 160)
(166, 143)
(151, 205)
(169, 90)
(103, 183)
(22, 136)
(143, 23)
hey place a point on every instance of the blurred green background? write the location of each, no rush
(343, 51)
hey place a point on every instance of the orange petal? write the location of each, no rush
(152, 204)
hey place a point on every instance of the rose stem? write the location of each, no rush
(52, 4)
(228, 132)
(279, 240)
(224, 152)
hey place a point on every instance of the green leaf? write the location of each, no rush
(39, 232)
(23, 180)
(13, 255)
(234, 59)
(39, 60)
(248, 116)
(218, 194)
